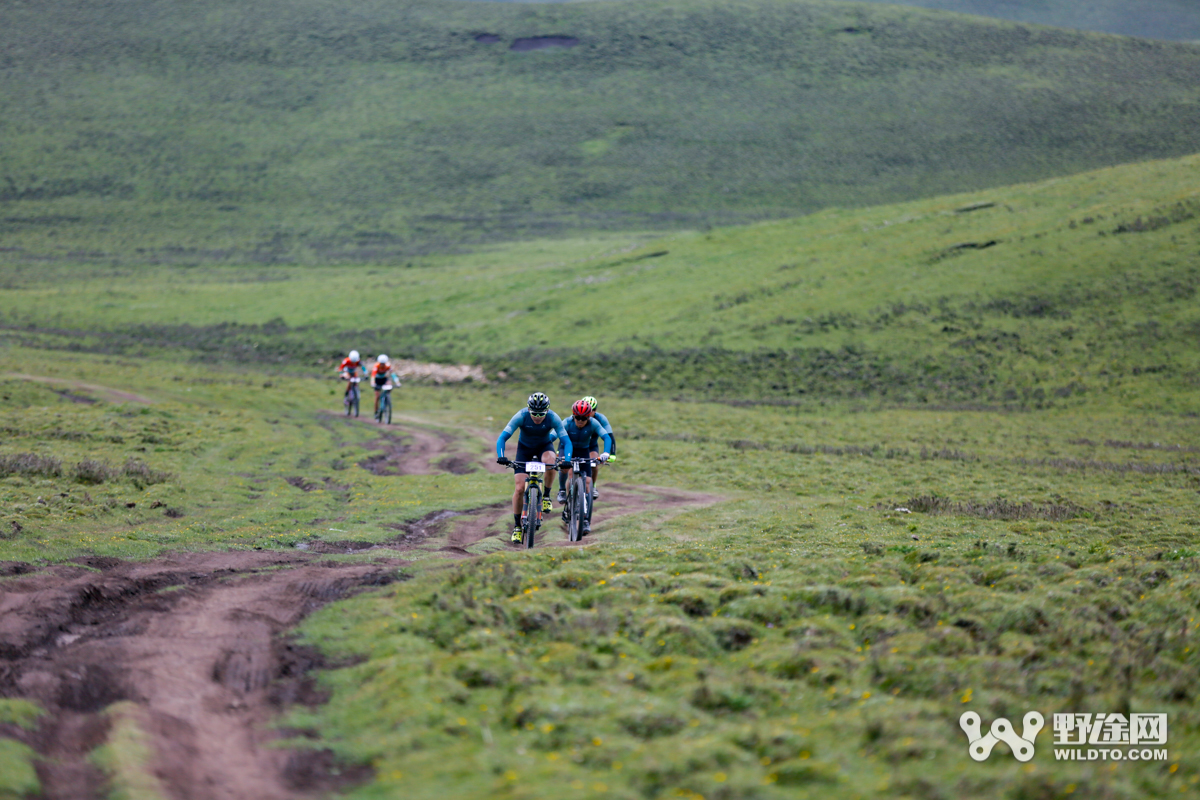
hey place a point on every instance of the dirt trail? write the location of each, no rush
(113, 395)
(194, 641)
(412, 448)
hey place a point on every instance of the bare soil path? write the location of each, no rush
(107, 392)
(195, 645)
(192, 640)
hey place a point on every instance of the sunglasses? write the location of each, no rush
(537, 414)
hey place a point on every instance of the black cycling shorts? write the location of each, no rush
(529, 453)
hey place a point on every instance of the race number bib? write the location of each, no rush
(534, 466)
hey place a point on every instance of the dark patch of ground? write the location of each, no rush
(193, 640)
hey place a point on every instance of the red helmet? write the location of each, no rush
(581, 410)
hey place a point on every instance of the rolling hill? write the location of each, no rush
(1173, 20)
(273, 132)
(1081, 287)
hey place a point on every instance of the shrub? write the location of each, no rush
(30, 464)
(92, 471)
(141, 474)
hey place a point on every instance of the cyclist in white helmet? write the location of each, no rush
(352, 367)
(381, 373)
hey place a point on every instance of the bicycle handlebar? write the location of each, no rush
(514, 465)
(598, 460)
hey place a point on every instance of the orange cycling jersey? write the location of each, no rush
(381, 370)
(349, 366)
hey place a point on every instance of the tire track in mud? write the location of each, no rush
(192, 647)
(193, 642)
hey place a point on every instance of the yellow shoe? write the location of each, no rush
(516, 537)
(546, 507)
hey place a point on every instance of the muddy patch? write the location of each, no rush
(67, 394)
(308, 485)
(193, 642)
(411, 451)
(457, 465)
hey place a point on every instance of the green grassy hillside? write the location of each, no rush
(271, 131)
(1176, 20)
(1023, 295)
(803, 638)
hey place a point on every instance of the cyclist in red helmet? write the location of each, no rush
(582, 430)
(610, 450)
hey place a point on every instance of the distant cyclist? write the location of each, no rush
(381, 373)
(352, 367)
(593, 446)
(535, 422)
(583, 434)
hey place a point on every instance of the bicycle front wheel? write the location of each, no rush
(533, 507)
(575, 516)
(389, 409)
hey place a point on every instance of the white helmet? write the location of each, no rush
(354, 355)
(382, 359)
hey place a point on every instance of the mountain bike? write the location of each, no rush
(577, 513)
(385, 405)
(535, 487)
(352, 396)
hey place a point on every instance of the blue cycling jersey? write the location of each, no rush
(612, 437)
(581, 438)
(533, 434)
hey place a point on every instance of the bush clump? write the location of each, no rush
(141, 474)
(92, 471)
(29, 464)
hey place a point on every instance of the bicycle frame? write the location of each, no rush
(579, 498)
(535, 486)
(353, 396)
(385, 404)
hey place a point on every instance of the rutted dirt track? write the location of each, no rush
(190, 639)
(194, 641)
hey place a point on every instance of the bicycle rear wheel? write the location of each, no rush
(533, 507)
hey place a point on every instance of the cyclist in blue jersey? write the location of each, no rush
(593, 446)
(538, 426)
(583, 433)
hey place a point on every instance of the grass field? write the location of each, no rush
(879, 562)
(291, 132)
(801, 637)
(1176, 20)
(1019, 296)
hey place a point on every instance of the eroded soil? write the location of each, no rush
(193, 639)
(196, 643)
